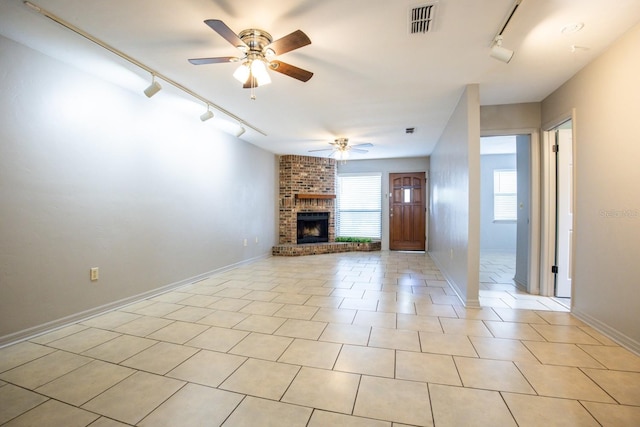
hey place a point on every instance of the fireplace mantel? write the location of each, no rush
(315, 196)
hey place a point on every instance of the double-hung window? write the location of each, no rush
(359, 205)
(505, 195)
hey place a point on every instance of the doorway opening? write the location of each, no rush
(505, 213)
(509, 223)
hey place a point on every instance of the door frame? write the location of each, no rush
(533, 269)
(548, 208)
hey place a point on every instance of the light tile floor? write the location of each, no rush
(497, 270)
(356, 339)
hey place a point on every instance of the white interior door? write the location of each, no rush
(564, 140)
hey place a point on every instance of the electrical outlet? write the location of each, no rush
(94, 274)
(245, 243)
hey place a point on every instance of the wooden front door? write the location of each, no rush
(407, 211)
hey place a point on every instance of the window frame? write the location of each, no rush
(372, 206)
(505, 203)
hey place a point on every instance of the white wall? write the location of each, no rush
(92, 175)
(454, 226)
(605, 94)
(385, 167)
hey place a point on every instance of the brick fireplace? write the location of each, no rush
(308, 188)
(307, 185)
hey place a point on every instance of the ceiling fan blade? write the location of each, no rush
(227, 33)
(290, 70)
(324, 149)
(289, 42)
(358, 150)
(366, 144)
(218, 60)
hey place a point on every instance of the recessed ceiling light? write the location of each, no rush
(572, 28)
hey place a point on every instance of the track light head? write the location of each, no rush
(500, 53)
(153, 88)
(206, 115)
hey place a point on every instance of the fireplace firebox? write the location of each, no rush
(313, 227)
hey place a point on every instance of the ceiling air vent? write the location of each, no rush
(421, 18)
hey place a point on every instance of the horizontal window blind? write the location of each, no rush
(505, 195)
(359, 205)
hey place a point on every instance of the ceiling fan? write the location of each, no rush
(341, 148)
(258, 54)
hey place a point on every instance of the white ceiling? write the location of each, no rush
(372, 79)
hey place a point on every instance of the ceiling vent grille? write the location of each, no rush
(421, 18)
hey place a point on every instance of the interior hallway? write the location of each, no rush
(357, 339)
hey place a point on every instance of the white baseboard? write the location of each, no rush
(45, 328)
(612, 333)
(468, 303)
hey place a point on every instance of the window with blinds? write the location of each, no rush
(505, 195)
(359, 205)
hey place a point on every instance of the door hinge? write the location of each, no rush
(554, 269)
(555, 148)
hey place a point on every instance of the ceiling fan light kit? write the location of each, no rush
(342, 148)
(259, 51)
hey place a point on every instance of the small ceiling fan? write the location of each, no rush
(341, 148)
(258, 54)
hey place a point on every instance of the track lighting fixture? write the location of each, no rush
(500, 53)
(206, 115)
(153, 88)
(497, 51)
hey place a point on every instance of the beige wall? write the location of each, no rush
(93, 175)
(454, 222)
(385, 167)
(606, 98)
(498, 119)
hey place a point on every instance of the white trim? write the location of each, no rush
(533, 285)
(548, 207)
(472, 303)
(548, 210)
(610, 332)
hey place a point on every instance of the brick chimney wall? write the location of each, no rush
(307, 176)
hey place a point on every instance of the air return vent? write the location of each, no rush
(421, 18)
